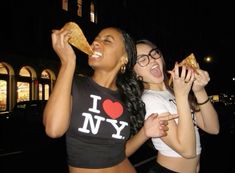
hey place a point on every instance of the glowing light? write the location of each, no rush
(208, 59)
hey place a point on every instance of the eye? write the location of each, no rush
(153, 53)
(141, 58)
(107, 41)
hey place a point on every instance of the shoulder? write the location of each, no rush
(155, 101)
(152, 96)
(80, 81)
(80, 78)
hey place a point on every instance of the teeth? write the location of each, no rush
(96, 54)
(155, 66)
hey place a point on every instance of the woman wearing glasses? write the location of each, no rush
(180, 150)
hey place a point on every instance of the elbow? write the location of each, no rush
(215, 132)
(53, 133)
(52, 129)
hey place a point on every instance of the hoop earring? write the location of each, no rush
(140, 78)
(123, 68)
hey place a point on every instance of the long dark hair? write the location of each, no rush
(130, 87)
(191, 97)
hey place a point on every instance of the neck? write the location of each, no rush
(155, 86)
(105, 80)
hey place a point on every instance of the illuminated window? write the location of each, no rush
(25, 72)
(79, 4)
(3, 69)
(3, 87)
(45, 75)
(3, 95)
(23, 86)
(46, 91)
(65, 5)
(45, 84)
(23, 91)
(40, 92)
(92, 12)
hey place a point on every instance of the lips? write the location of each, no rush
(96, 55)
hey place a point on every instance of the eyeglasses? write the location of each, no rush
(143, 60)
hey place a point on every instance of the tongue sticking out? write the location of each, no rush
(156, 72)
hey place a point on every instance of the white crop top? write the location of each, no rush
(160, 102)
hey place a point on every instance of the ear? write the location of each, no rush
(124, 59)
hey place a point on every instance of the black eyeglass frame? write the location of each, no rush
(154, 53)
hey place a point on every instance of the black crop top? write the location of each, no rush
(99, 126)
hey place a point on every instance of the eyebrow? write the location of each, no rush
(146, 53)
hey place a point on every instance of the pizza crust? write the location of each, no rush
(77, 38)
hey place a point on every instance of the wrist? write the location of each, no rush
(204, 102)
(145, 134)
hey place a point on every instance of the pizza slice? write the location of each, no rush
(77, 38)
(190, 62)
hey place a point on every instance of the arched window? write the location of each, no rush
(45, 84)
(6, 86)
(3, 87)
(25, 88)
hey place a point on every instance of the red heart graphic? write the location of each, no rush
(113, 109)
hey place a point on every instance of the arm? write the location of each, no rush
(58, 108)
(135, 142)
(154, 126)
(206, 118)
(181, 137)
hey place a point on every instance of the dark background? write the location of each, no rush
(203, 27)
(179, 28)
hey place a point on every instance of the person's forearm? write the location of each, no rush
(57, 111)
(208, 113)
(135, 142)
(185, 131)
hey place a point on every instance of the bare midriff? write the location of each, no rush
(124, 166)
(179, 164)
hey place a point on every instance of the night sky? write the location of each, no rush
(205, 28)
(202, 27)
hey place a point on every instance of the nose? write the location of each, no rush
(95, 44)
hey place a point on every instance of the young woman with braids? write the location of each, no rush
(95, 112)
(178, 151)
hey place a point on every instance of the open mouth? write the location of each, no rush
(156, 71)
(96, 55)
